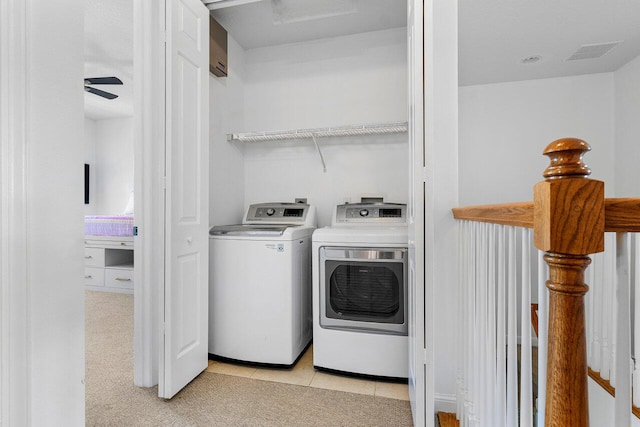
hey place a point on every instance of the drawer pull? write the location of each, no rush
(88, 276)
(120, 279)
(88, 257)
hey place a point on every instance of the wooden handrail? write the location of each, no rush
(620, 215)
(514, 214)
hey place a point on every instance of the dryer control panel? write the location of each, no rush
(371, 213)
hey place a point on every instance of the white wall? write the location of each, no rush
(338, 81)
(226, 115)
(113, 167)
(55, 209)
(90, 159)
(505, 127)
(627, 128)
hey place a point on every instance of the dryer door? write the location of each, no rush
(364, 289)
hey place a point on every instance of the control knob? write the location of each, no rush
(271, 211)
(364, 212)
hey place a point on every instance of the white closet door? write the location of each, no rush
(185, 350)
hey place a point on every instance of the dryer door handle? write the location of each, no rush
(364, 254)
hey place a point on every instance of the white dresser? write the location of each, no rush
(108, 264)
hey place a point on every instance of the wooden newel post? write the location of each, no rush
(568, 225)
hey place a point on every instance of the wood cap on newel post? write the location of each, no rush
(568, 225)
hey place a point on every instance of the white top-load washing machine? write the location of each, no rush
(360, 291)
(260, 284)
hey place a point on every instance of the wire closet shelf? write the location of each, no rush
(352, 130)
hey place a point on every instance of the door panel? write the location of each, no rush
(185, 350)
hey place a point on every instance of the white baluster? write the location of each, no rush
(526, 415)
(607, 311)
(588, 307)
(623, 334)
(469, 322)
(612, 279)
(482, 333)
(636, 324)
(596, 291)
(512, 332)
(501, 331)
(462, 272)
(491, 326)
(473, 365)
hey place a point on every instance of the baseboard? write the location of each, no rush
(445, 403)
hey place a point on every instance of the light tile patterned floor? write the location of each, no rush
(303, 373)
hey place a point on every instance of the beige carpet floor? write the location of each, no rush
(211, 399)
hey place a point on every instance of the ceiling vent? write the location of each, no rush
(290, 11)
(591, 51)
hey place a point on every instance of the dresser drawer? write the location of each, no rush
(118, 278)
(94, 257)
(94, 276)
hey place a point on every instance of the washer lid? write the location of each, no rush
(249, 230)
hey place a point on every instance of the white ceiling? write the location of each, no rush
(494, 36)
(269, 23)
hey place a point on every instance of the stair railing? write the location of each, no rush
(569, 216)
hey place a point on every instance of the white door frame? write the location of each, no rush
(420, 377)
(149, 76)
(27, 397)
(434, 150)
(149, 187)
(441, 194)
(15, 323)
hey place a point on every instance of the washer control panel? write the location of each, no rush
(279, 213)
(371, 213)
(276, 212)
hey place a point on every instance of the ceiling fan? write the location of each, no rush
(101, 81)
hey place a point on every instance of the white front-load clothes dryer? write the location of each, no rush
(360, 298)
(260, 285)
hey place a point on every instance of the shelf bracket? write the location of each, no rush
(324, 166)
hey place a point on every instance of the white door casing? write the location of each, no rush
(14, 296)
(185, 350)
(149, 167)
(41, 313)
(440, 112)
(418, 366)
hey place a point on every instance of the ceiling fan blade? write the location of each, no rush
(100, 92)
(103, 81)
